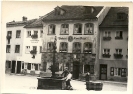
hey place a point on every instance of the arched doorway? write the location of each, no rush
(76, 68)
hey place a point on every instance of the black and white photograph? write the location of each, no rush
(66, 46)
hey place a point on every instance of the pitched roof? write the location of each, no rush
(19, 23)
(111, 18)
(73, 13)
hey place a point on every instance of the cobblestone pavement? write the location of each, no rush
(30, 82)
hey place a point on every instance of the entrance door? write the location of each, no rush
(13, 66)
(76, 70)
(18, 66)
(103, 72)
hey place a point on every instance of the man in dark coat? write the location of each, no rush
(65, 72)
(87, 77)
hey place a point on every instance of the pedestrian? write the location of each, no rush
(87, 77)
(65, 72)
(68, 79)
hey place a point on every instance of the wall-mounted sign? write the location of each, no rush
(70, 38)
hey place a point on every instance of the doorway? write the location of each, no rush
(103, 72)
(76, 70)
(13, 66)
(18, 66)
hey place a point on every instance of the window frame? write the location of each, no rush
(50, 49)
(119, 35)
(53, 29)
(66, 44)
(27, 50)
(119, 51)
(79, 24)
(75, 49)
(89, 48)
(18, 32)
(9, 33)
(8, 48)
(17, 51)
(28, 34)
(85, 27)
(66, 27)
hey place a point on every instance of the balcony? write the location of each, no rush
(34, 36)
(106, 38)
(118, 56)
(118, 37)
(106, 55)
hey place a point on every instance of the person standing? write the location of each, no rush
(87, 77)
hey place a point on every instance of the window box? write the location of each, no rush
(118, 37)
(88, 51)
(118, 56)
(34, 36)
(33, 52)
(106, 38)
(106, 55)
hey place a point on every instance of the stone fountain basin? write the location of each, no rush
(51, 83)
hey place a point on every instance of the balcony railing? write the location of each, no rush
(118, 37)
(34, 36)
(107, 38)
(118, 56)
(106, 55)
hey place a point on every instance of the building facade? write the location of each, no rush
(113, 55)
(14, 44)
(76, 31)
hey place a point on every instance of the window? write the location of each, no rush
(63, 47)
(76, 47)
(115, 71)
(8, 48)
(29, 66)
(18, 32)
(123, 72)
(77, 28)
(88, 47)
(17, 48)
(9, 33)
(50, 46)
(112, 71)
(41, 33)
(106, 51)
(34, 48)
(89, 28)
(40, 49)
(51, 29)
(36, 66)
(121, 16)
(22, 65)
(107, 34)
(119, 35)
(28, 33)
(118, 51)
(64, 28)
(27, 50)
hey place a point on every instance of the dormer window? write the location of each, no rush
(121, 16)
(59, 11)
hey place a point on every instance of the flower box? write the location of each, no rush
(117, 56)
(106, 38)
(33, 52)
(106, 55)
(118, 37)
(34, 36)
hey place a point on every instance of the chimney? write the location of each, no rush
(24, 18)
